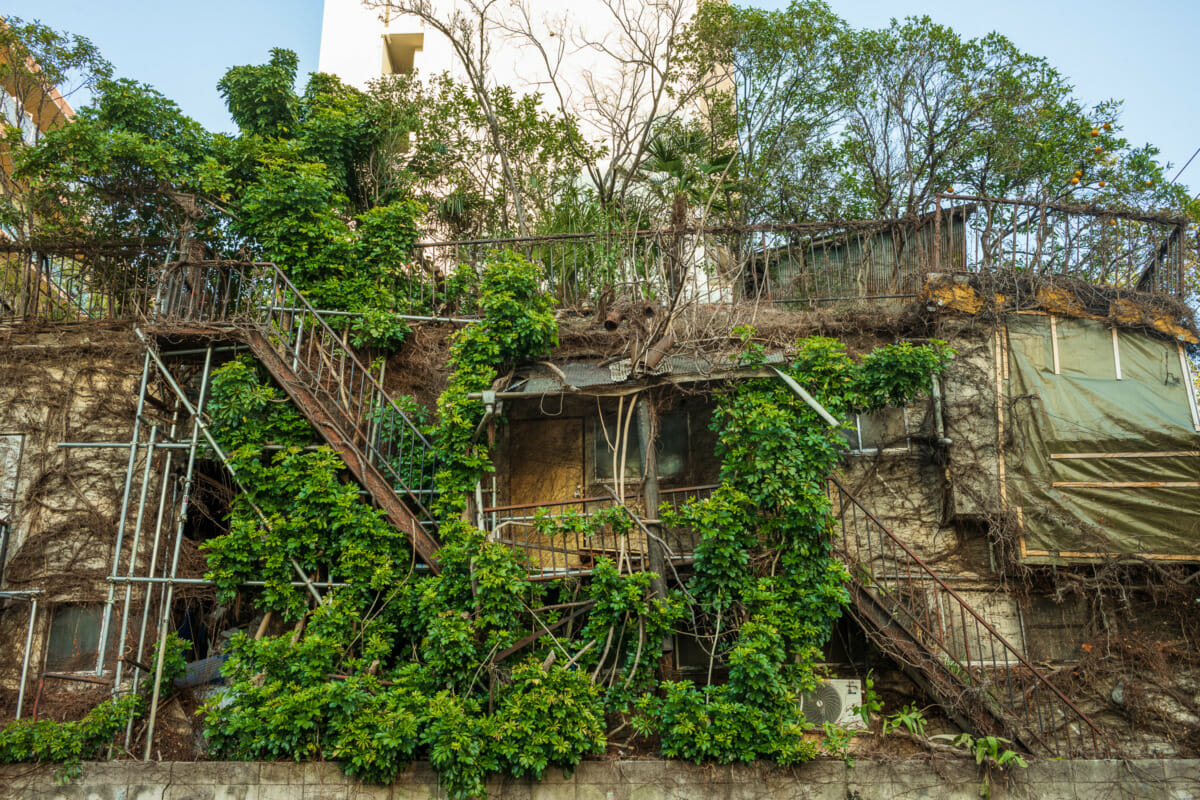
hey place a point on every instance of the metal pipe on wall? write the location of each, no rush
(133, 554)
(164, 623)
(101, 650)
(33, 604)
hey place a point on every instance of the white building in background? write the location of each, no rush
(591, 42)
(360, 44)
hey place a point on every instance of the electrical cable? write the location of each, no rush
(1185, 166)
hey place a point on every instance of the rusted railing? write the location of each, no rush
(1122, 249)
(576, 543)
(259, 294)
(93, 281)
(793, 263)
(924, 623)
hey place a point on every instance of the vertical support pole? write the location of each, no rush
(33, 604)
(1054, 344)
(133, 553)
(164, 486)
(101, 650)
(1181, 251)
(165, 621)
(1000, 476)
(937, 234)
(650, 494)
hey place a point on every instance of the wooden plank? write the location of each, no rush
(1126, 484)
(1147, 556)
(1185, 366)
(1054, 343)
(1116, 353)
(1134, 454)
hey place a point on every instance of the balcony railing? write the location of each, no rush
(71, 283)
(925, 624)
(822, 262)
(802, 263)
(1128, 250)
(556, 538)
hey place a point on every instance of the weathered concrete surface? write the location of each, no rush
(913, 779)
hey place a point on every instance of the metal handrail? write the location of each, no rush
(956, 633)
(260, 294)
(573, 552)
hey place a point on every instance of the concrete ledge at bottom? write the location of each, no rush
(629, 779)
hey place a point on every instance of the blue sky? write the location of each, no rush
(1144, 53)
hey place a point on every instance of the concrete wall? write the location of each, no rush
(916, 778)
(69, 384)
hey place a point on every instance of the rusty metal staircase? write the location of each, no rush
(315, 365)
(985, 683)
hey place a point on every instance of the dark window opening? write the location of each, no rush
(75, 638)
(672, 446)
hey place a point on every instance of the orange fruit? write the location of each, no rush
(1102, 184)
(1074, 180)
(1095, 132)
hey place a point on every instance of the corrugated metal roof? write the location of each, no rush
(542, 379)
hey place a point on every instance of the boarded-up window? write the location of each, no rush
(885, 430)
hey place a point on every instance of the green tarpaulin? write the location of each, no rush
(1101, 457)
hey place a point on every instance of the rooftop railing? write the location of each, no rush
(795, 264)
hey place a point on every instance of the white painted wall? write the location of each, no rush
(352, 40)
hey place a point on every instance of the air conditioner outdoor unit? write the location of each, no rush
(834, 701)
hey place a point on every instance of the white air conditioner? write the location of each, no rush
(835, 701)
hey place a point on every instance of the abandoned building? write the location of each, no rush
(1021, 541)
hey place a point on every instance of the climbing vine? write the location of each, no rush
(480, 669)
(776, 455)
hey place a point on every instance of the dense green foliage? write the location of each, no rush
(833, 122)
(392, 666)
(398, 666)
(776, 455)
(315, 519)
(518, 322)
(67, 743)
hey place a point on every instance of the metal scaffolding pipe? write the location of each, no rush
(165, 484)
(830, 419)
(212, 442)
(407, 317)
(133, 552)
(33, 604)
(151, 580)
(195, 351)
(102, 649)
(158, 446)
(164, 623)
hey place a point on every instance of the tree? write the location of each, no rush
(781, 97)
(467, 26)
(631, 82)
(114, 171)
(457, 170)
(262, 99)
(40, 70)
